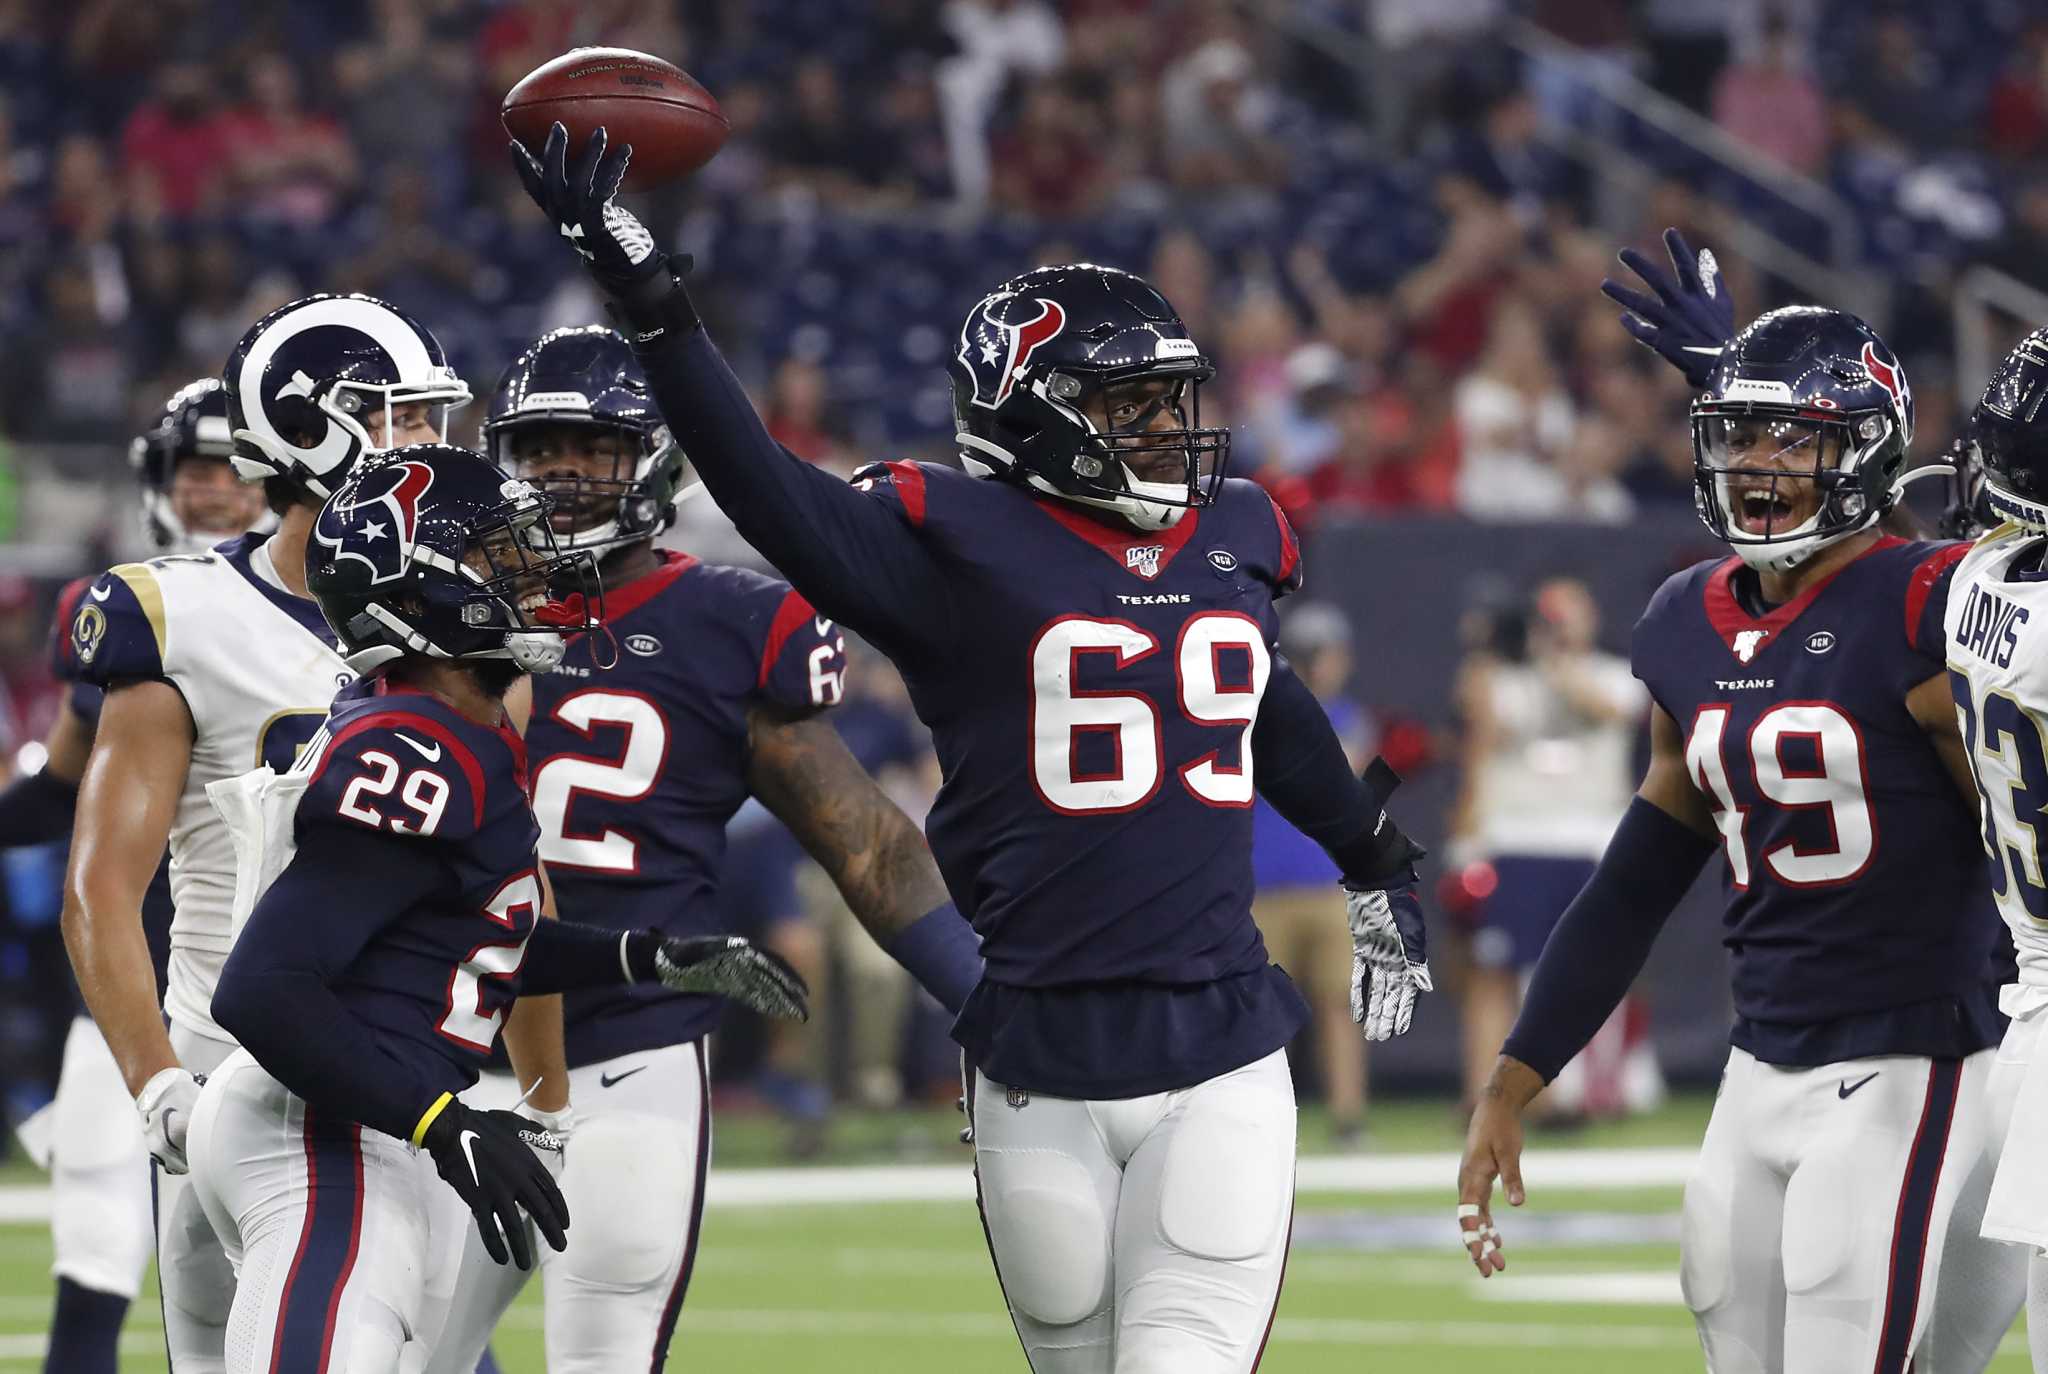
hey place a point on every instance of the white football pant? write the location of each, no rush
(633, 1177)
(1145, 1235)
(1818, 1225)
(2017, 1211)
(91, 1142)
(325, 1222)
(192, 1270)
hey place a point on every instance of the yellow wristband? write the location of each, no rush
(419, 1132)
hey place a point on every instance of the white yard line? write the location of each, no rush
(1592, 1170)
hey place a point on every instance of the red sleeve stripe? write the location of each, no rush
(1290, 550)
(909, 489)
(425, 725)
(789, 618)
(1921, 585)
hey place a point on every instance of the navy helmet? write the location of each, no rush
(1036, 351)
(192, 424)
(1802, 395)
(431, 549)
(588, 378)
(2008, 436)
(306, 377)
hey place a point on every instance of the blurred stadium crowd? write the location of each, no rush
(1394, 259)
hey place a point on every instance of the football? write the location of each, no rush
(673, 123)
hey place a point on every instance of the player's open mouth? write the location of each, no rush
(1765, 510)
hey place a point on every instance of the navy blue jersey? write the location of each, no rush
(1859, 918)
(638, 764)
(1090, 690)
(433, 982)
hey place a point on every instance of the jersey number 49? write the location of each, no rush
(1832, 786)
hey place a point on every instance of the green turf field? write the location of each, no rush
(1373, 1281)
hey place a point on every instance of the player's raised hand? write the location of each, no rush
(1389, 958)
(578, 197)
(499, 1163)
(1493, 1149)
(1689, 314)
(736, 968)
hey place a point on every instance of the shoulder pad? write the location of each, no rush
(119, 632)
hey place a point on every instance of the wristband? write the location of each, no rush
(427, 1118)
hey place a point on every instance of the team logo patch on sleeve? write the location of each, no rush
(88, 631)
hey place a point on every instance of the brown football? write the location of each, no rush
(672, 122)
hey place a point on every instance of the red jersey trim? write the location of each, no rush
(1921, 586)
(1116, 541)
(1290, 547)
(633, 595)
(909, 478)
(409, 720)
(789, 618)
(1729, 620)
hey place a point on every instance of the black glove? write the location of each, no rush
(1690, 316)
(722, 966)
(617, 247)
(493, 1160)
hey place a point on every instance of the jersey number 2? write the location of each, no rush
(1062, 713)
(1835, 786)
(467, 1019)
(629, 777)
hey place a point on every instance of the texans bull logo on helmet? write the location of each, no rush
(1892, 378)
(998, 340)
(385, 513)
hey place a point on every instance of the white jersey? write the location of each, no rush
(1556, 780)
(257, 669)
(1997, 633)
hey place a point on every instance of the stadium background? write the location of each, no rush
(1386, 218)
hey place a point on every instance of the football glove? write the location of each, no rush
(166, 1106)
(735, 968)
(498, 1163)
(616, 247)
(1389, 960)
(1689, 316)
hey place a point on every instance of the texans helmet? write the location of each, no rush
(1035, 356)
(305, 378)
(192, 424)
(2008, 436)
(587, 377)
(431, 549)
(1802, 395)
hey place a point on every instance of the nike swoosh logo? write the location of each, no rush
(430, 755)
(467, 1139)
(99, 593)
(1847, 1088)
(605, 1080)
(1695, 348)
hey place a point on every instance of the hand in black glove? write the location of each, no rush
(494, 1161)
(729, 966)
(578, 198)
(1691, 313)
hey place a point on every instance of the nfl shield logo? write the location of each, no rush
(1747, 642)
(1144, 559)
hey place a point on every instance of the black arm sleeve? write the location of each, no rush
(853, 557)
(36, 809)
(1302, 771)
(1604, 937)
(563, 956)
(275, 994)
